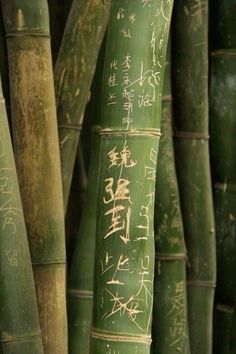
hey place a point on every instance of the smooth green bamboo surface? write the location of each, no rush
(130, 112)
(80, 282)
(73, 74)
(19, 321)
(223, 145)
(170, 323)
(222, 329)
(37, 159)
(190, 74)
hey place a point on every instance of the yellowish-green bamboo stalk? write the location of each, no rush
(37, 159)
(19, 321)
(73, 74)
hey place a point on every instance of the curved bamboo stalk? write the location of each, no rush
(130, 111)
(73, 74)
(170, 323)
(223, 145)
(190, 59)
(19, 322)
(37, 160)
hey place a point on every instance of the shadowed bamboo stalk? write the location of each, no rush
(130, 112)
(190, 65)
(222, 329)
(223, 145)
(58, 13)
(170, 323)
(73, 74)
(37, 159)
(19, 321)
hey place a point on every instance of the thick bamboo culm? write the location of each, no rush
(19, 320)
(130, 113)
(36, 150)
(223, 145)
(170, 323)
(190, 93)
(73, 74)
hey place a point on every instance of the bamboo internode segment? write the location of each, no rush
(170, 323)
(37, 158)
(74, 70)
(131, 107)
(190, 91)
(19, 322)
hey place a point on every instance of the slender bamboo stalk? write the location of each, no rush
(75, 204)
(19, 322)
(223, 145)
(222, 329)
(80, 282)
(73, 74)
(170, 323)
(131, 108)
(37, 159)
(190, 57)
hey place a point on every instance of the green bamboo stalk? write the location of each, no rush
(75, 204)
(170, 323)
(73, 74)
(19, 321)
(37, 159)
(131, 109)
(80, 282)
(190, 62)
(222, 329)
(223, 145)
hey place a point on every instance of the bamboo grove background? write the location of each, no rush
(117, 177)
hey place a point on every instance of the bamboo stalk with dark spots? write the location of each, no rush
(19, 320)
(36, 150)
(170, 300)
(130, 112)
(223, 145)
(190, 92)
(73, 74)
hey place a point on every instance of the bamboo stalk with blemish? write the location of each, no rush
(19, 320)
(190, 92)
(36, 150)
(170, 300)
(74, 70)
(130, 112)
(223, 144)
